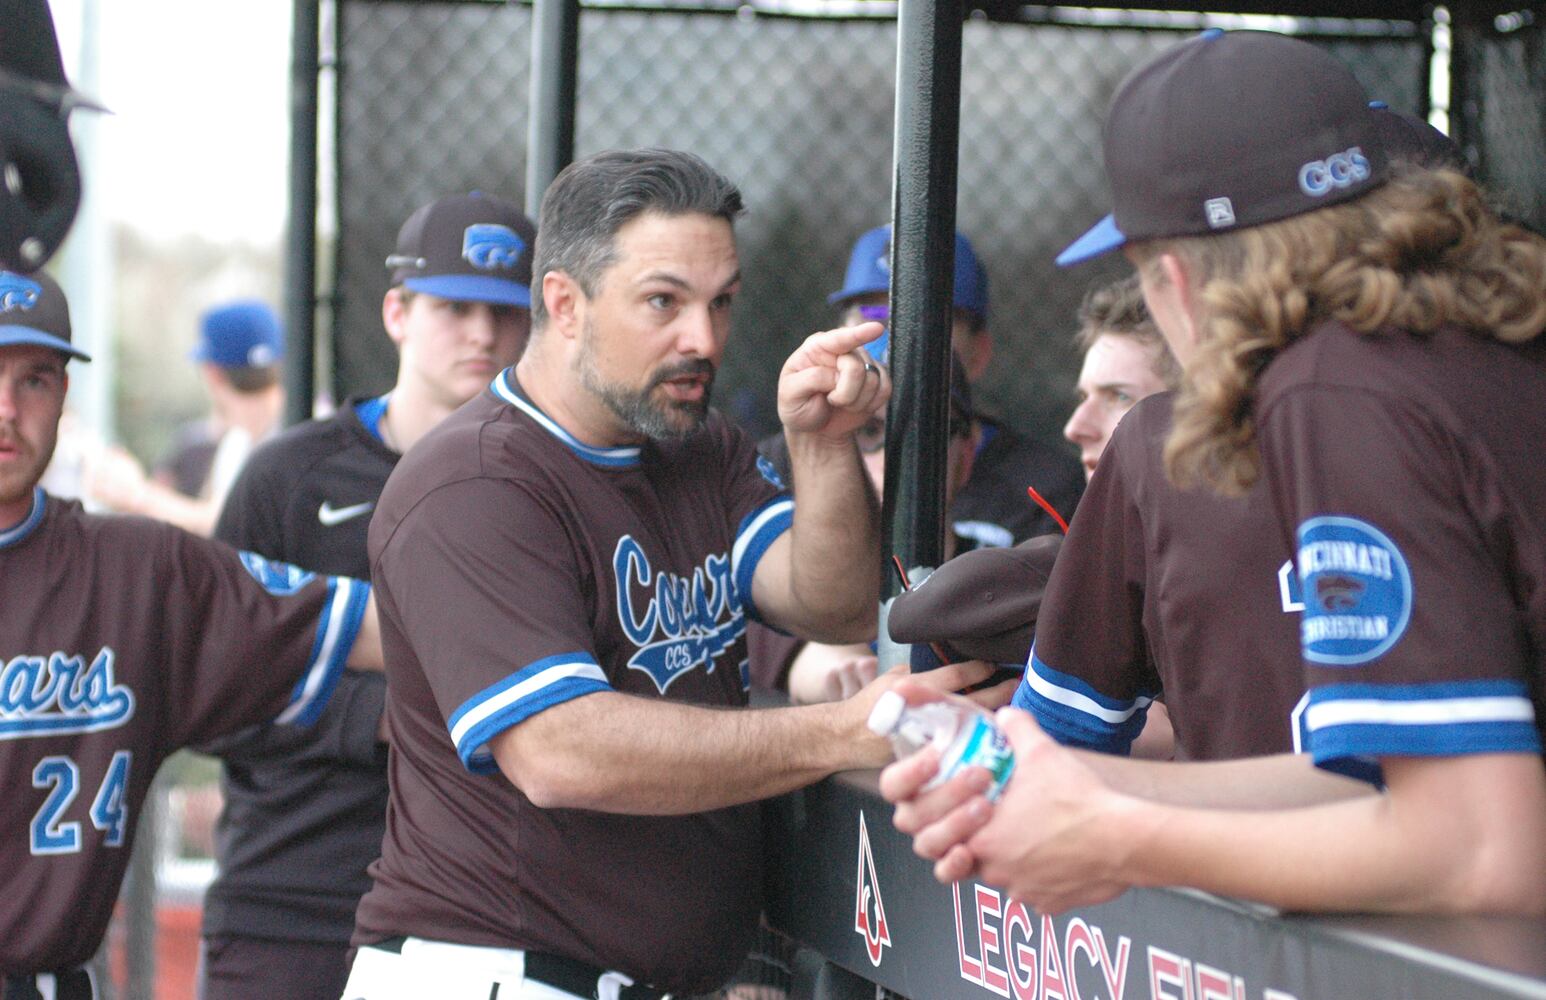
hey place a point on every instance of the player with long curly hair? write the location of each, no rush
(1364, 337)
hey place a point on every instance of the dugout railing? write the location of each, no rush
(848, 886)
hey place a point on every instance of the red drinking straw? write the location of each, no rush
(1048, 508)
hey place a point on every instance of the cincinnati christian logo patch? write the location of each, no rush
(1356, 588)
(869, 911)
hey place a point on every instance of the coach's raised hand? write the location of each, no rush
(819, 580)
(830, 385)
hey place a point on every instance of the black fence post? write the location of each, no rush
(1465, 115)
(300, 268)
(555, 55)
(928, 117)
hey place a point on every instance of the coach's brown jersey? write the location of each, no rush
(1408, 471)
(1160, 591)
(122, 640)
(516, 569)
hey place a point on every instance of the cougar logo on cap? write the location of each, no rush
(489, 246)
(1338, 170)
(17, 292)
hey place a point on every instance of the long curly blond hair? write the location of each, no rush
(1422, 251)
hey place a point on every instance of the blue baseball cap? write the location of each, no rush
(467, 248)
(1227, 130)
(869, 271)
(33, 310)
(242, 334)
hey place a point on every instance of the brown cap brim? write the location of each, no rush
(984, 603)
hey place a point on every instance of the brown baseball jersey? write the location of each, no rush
(122, 641)
(517, 569)
(1408, 472)
(1161, 592)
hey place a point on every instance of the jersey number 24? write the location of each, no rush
(109, 813)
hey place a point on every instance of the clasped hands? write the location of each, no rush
(1047, 840)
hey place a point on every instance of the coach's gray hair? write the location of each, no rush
(593, 198)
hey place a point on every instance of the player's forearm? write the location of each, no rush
(1284, 781)
(834, 558)
(1427, 845)
(615, 753)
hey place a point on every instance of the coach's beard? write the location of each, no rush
(648, 411)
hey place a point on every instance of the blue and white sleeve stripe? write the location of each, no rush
(1439, 719)
(1075, 714)
(339, 623)
(549, 681)
(757, 531)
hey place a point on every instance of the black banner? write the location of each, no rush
(848, 884)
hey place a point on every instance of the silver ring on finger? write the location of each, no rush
(870, 368)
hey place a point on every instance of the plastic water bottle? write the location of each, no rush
(963, 734)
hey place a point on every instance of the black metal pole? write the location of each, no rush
(300, 274)
(555, 55)
(1425, 72)
(928, 114)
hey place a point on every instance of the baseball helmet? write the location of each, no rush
(40, 184)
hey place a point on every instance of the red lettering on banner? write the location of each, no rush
(993, 977)
(1076, 939)
(1115, 970)
(1214, 984)
(1008, 960)
(1080, 936)
(1017, 946)
(1054, 984)
(1167, 970)
(971, 969)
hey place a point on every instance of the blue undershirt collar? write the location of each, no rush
(370, 412)
(506, 388)
(10, 536)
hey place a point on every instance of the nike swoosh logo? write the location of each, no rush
(330, 515)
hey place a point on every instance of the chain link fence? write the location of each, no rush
(1501, 84)
(432, 98)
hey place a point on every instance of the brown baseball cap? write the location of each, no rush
(1232, 129)
(33, 310)
(982, 604)
(1407, 137)
(467, 248)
